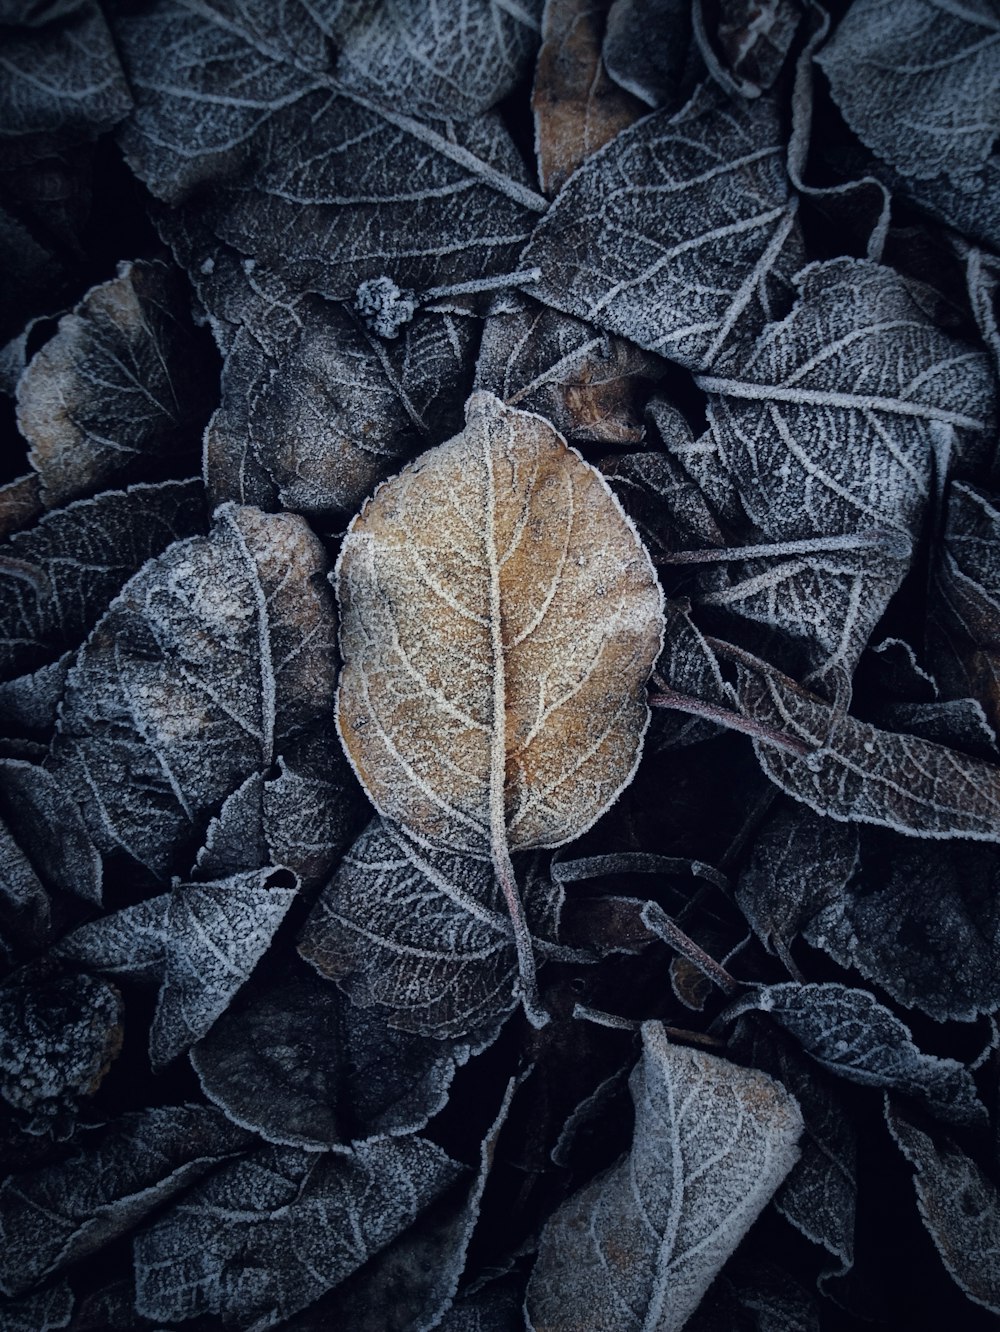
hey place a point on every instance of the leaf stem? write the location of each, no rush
(891, 542)
(665, 697)
(657, 920)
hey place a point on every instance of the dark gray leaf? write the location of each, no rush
(119, 390)
(583, 381)
(62, 84)
(31, 702)
(673, 234)
(46, 1309)
(496, 1308)
(50, 829)
(202, 939)
(303, 1067)
(688, 666)
(645, 44)
(35, 278)
(748, 43)
(960, 1207)
(24, 904)
(312, 418)
(958, 722)
(639, 1246)
(858, 773)
(57, 1040)
(438, 58)
(214, 658)
(58, 578)
(265, 1237)
(753, 1295)
(851, 1034)
(424, 935)
(58, 1214)
(20, 504)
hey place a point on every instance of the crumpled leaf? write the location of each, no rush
(62, 84)
(422, 934)
(436, 59)
(577, 107)
(835, 424)
(57, 579)
(266, 1236)
(312, 418)
(505, 542)
(120, 390)
(959, 1205)
(582, 381)
(855, 772)
(302, 1067)
(58, 1038)
(33, 803)
(58, 1214)
(640, 1245)
(849, 1033)
(201, 940)
(677, 232)
(645, 44)
(919, 83)
(214, 659)
(744, 43)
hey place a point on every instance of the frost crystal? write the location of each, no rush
(384, 307)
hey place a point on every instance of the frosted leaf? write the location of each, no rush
(438, 57)
(423, 935)
(471, 583)
(265, 1237)
(753, 1294)
(577, 107)
(849, 1033)
(497, 1308)
(638, 1247)
(746, 43)
(855, 772)
(215, 657)
(62, 84)
(645, 47)
(960, 1206)
(120, 390)
(58, 1038)
(584, 382)
(36, 279)
(201, 940)
(57, 1214)
(314, 415)
(45, 1309)
(20, 504)
(303, 1067)
(57, 579)
(31, 702)
(674, 234)
(25, 916)
(38, 808)
(688, 666)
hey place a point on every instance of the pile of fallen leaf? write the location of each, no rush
(270, 1058)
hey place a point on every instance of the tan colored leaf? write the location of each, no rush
(500, 619)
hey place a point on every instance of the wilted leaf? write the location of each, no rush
(215, 658)
(264, 1237)
(58, 578)
(960, 1206)
(645, 46)
(303, 1067)
(57, 1040)
(584, 382)
(50, 829)
(855, 772)
(58, 1214)
(422, 934)
(674, 234)
(851, 1034)
(639, 1246)
(577, 107)
(202, 940)
(119, 392)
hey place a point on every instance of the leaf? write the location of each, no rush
(673, 234)
(747, 44)
(959, 1205)
(313, 418)
(640, 1245)
(645, 45)
(836, 423)
(31, 702)
(435, 59)
(849, 1033)
(584, 383)
(20, 504)
(58, 1038)
(46, 1309)
(215, 658)
(58, 1214)
(203, 940)
(62, 84)
(421, 934)
(36, 806)
(119, 391)
(264, 1237)
(57, 579)
(505, 543)
(576, 106)
(303, 1067)
(25, 914)
(855, 772)
(497, 1308)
